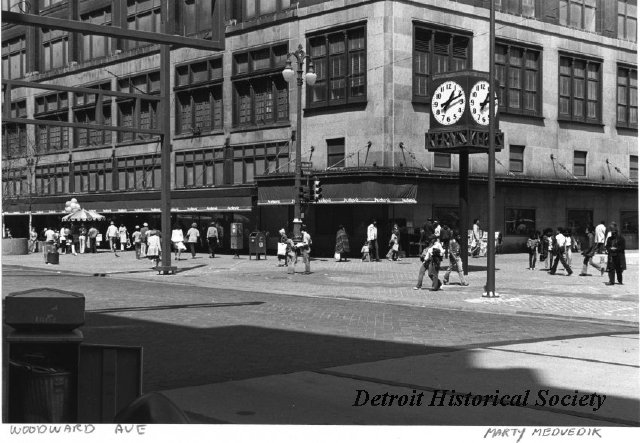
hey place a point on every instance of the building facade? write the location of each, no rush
(567, 75)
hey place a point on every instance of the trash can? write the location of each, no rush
(51, 254)
(257, 244)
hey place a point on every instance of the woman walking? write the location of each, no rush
(533, 244)
(589, 251)
(33, 240)
(342, 244)
(616, 260)
(193, 237)
(82, 238)
(154, 248)
(177, 240)
(124, 236)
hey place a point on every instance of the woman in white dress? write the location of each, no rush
(154, 248)
(177, 240)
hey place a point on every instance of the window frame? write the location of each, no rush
(52, 177)
(588, 61)
(583, 8)
(103, 169)
(345, 56)
(153, 10)
(49, 37)
(442, 156)
(625, 19)
(511, 159)
(586, 159)
(8, 54)
(504, 7)
(89, 17)
(211, 157)
(84, 107)
(277, 153)
(15, 132)
(258, 13)
(628, 124)
(137, 105)
(333, 143)
(504, 105)
(518, 214)
(252, 79)
(139, 163)
(433, 30)
(632, 176)
(60, 113)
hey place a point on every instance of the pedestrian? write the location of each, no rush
(372, 238)
(437, 229)
(431, 259)
(33, 240)
(92, 236)
(601, 231)
(533, 245)
(558, 250)
(82, 238)
(290, 252)
(569, 244)
(394, 245)
(589, 251)
(342, 244)
(112, 236)
(544, 248)
(154, 248)
(72, 239)
(282, 247)
(123, 236)
(136, 241)
(305, 249)
(7, 233)
(62, 240)
(455, 260)
(50, 242)
(212, 239)
(475, 238)
(616, 260)
(220, 229)
(365, 252)
(445, 238)
(143, 239)
(177, 241)
(193, 237)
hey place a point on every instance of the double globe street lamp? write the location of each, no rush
(310, 77)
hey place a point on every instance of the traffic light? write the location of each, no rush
(304, 193)
(317, 190)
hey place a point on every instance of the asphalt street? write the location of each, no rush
(197, 338)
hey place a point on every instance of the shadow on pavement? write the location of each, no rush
(178, 356)
(168, 307)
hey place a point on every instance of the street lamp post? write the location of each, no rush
(310, 77)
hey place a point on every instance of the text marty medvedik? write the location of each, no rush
(445, 397)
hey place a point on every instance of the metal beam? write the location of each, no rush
(31, 121)
(79, 90)
(108, 31)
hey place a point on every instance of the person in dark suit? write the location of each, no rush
(616, 260)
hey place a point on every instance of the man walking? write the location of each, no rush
(455, 261)
(616, 260)
(112, 235)
(143, 239)
(431, 259)
(212, 239)
(193, 237)
(475, 238)
(93, 236)
(601, 231)
(136, 241)
(372, 239)
(306, 250)
(559, 251)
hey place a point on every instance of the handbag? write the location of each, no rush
(282, 249)
(337, 256)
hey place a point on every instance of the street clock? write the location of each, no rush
(479, 103)
(448, 103)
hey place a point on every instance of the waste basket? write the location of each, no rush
(257, 244)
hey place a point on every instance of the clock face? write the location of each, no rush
(448, 103)
(479, 102)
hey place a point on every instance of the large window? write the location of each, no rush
(55, 47)
(520, 79)
(525, 8)
(52, 179)
(633, 167)
(516, 158)
(519, 221)
(143, 15)
(84, 111)
(442, 160)
(335, 153)
(254, 160)
(580, 163)
(199, 97)
(340, 60)
(627, 113)
(52, 107)
(261, 95)
(139, 173)
(14, 58)
(200, 168)
(580, 90)
(578, 220)
(14, 136)
(579, 14)
(95, 46)
(629, 222)
(256, 8)
(93, 176)
(138, 113)
(627, 19)
(14, 183)
(435, 52)
(196, 16)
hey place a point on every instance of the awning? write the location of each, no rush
(365, 192)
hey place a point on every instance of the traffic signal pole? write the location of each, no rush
(490, 290)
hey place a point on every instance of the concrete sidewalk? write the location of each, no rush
(521, 291)
(605, 366)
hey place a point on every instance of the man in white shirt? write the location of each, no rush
(475, 238)
(112, 234)
(601, 231)
(306, 250)
(372, 239)
(559, 251)
(432, 257)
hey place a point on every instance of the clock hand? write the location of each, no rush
(484, 103)
(450, 101)
(446, 104)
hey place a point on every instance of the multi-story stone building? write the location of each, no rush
(568, 109)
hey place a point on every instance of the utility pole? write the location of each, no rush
(490, 290)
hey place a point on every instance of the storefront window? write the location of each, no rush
(629, 222)
(519, 221)
(579, 219)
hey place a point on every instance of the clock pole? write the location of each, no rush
(490, 290)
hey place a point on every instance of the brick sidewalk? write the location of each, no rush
(521, 291)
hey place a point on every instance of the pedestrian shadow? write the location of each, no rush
(476, 268)
(170, 307)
